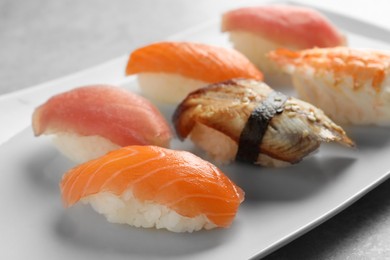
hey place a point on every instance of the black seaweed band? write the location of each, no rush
(256, 126)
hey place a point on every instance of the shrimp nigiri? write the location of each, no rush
(255, 31)
(168, 71)
(150, 186)
(246, 120)
(89, 121)
(352, 86)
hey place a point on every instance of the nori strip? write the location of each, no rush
(256, 126)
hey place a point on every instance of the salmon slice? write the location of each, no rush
(179, 180)
(107, 111)
(298, 27)
(198, 61)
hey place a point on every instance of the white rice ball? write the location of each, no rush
(255, 48)
(168, 88)
(126, 209)
(82, 148)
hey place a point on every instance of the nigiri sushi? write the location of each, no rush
(89, 121)
(352, 86)
(245, 120)
(255, 31)
(150, 186)
(169, 71)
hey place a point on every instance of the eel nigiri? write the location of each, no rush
(169, 71)
(246, 120)
(255, 31)
(350, 85)
(89, 121)
(150, 186)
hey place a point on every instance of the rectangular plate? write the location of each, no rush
(280, 204)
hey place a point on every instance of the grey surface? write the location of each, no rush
(41, 40)
(362, 231)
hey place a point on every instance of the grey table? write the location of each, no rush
(43, 39)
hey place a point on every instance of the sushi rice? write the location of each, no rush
(255, 49)
(80, 148)
(167, 87)
(126, 209)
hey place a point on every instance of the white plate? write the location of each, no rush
(280, 204)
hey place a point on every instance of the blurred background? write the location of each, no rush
(42, 40)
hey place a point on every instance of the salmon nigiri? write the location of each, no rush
(350, 85)
(168, 71)
(255, 31)
(92, 120)
(150, 186)
(245, 120)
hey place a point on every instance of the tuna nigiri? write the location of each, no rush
(246, 120)
(92, 120)
(149, 186)
(350, 85)
(168, 71)
(255, 31)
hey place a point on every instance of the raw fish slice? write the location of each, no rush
(96, 119)
(246, 120)
(299, 27)
(153, 186)
(255, 31)
(168, 71)
(350, 85)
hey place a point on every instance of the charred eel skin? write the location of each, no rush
(246, 120)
